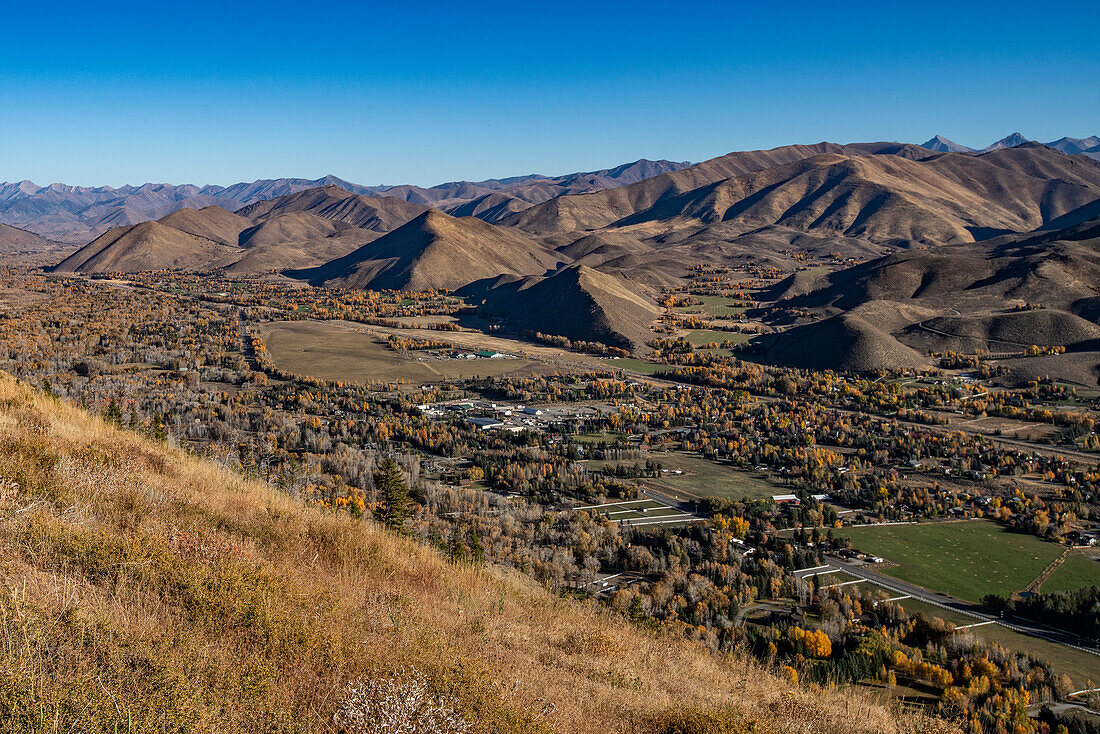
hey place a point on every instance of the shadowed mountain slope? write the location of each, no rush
(885, 198)
(578, 302)
(304, 229)
(593, 211)
(212, 223)
(380, 214)
(491, 208)
(435, 251)
(999, 296)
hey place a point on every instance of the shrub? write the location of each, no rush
(402, 704)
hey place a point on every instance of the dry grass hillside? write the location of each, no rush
(578, 302)
(14, 240)
(435, 251)
(147, 246)
(146, 590)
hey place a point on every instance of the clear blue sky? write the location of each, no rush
(421, 92)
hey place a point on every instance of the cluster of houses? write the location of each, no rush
(480, 354)
(490, 416)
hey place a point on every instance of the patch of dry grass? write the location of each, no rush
(148, 590)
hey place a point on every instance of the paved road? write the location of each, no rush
(919, 593)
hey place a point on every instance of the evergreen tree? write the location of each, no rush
(113, 414)
(160, 431)
(636, 613)
(395, 495)
(477, 550)
(458, 551)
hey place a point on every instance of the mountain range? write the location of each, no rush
(999, 296)
(606, 253)
(1089, 146)
(76, 214)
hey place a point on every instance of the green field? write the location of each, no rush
(1079, 571)
(931, 611)
(718, 306)
(1078, 665)
(702, 478)
(705, 336)
(599, 438)
(965, 559)
(637, 365)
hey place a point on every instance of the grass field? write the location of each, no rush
(347, 352)
(636, 365)
(702, 478)
(912, 606)
(1080, 570)
(716, 306)
(965, 559)
(600, 438)
(706, 336)
(1078, 665)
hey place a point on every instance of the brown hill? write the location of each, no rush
(148, 246)
(852, 200)
(300, 230)
(577, 302)
(435, 251)
(17, 241)
(291, 226)
(856, 341)
(212, 223)
(998, 296)
(491, 208)
(601, 209)
(277, 256)
(377, 213)
(892, 199)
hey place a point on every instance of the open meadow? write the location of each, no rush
(340, 350)
(702, 479)
(965, 559)
(698, 478)
(1081, 569)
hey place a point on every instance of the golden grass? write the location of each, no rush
(147, 590)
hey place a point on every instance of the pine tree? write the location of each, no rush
(395, 495)
(160, 431)
(636, 613)
(113, 414)
(477, 550)
(458, 551)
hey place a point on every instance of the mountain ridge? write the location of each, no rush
(77, 214)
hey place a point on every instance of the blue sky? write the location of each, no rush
(203, 92)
